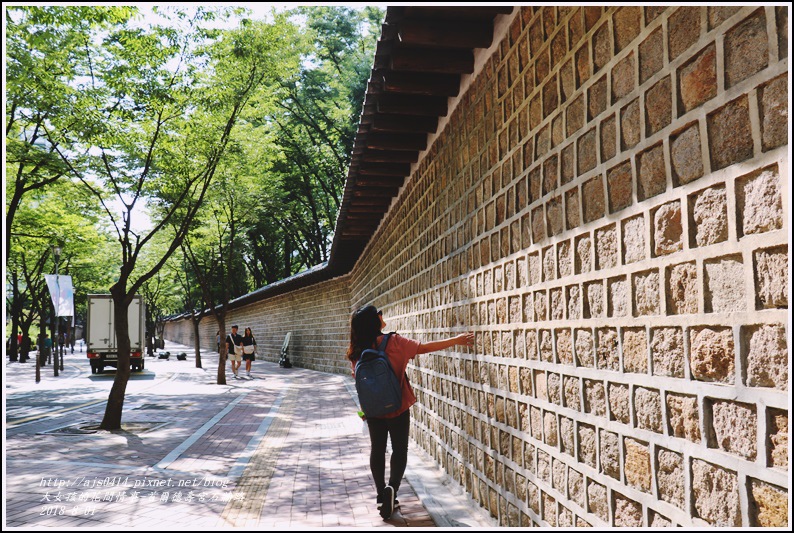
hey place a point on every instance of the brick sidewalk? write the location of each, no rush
(286, 451)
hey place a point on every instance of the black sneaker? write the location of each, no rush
(396, 504)
(387, 507)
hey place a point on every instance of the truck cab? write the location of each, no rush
(102, 348)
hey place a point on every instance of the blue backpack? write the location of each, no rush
(377, 385)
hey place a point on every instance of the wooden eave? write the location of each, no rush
(422, 53)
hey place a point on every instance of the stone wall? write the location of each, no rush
(607, 207)
(318, 317)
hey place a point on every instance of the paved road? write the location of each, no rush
(282, 450)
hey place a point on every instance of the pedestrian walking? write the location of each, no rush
(234, 345)
(366, 331)
(249, 351)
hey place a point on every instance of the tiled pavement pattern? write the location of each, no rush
(284, 450)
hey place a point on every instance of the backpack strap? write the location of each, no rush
(384, 342)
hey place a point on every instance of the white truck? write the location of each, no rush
(100, 334)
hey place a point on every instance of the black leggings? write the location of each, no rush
(379, 429)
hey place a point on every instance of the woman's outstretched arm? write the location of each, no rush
(464, 339)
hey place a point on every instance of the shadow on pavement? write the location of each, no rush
(134, 376)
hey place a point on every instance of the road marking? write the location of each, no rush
(242, 461)
(179, 450)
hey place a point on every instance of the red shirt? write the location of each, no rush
(400, 350)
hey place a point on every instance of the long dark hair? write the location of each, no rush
(364, 330)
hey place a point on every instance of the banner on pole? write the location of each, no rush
(62, 294)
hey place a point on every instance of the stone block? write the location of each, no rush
(686, 161)
(651, 172)
(584, 256)
(546, 350)
(773, 108)
(646, 293)
(682, 415)
(550, 428)
(564, 259)
(587, 154)
(538, 227)
(652, 12)
(567, 168)
(667, 352)
(582, 58)
(585, 354)
(572, 212)
(635, 350)
(637, 464)
(630, 125)
(746, 48)
(627, 24)
(682, 289)
(670, 477)
(777, 442)
(551, 99)
(574, 298)
(730, 134)
(719, 14)
(554, 215)
(597, 500)
(667, 229)
(536, 423)
(623, 78)
(658, 106)
(724, 285)
(712, 354)
(571, 392)
(606, 247)
(549, 267)
(549, 510)
(609, 454)
(607, 349)
(651, 53)
(587, 445)
(766, 356)
(734, 428)
(566, 436)
(594, 304)
(594, 398)
(533, 497)
(715, 492)
(768, 505)
(633, 233)
(564, 346)
(602, 47)
(576, 487)
(657, 520)
(618, 396)
(608, 132)
(683, 30)
(575, 115)
(648, 409)
(781, 24)
(618, 301)
(628, 513)
(619, 186)
(759, 201)
(553, 388)
(709, 210)
(697, 80)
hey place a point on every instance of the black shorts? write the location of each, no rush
(249, 357)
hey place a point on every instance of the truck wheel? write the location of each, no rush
(93, 369)
(100, 369)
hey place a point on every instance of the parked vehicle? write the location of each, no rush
(102, 348)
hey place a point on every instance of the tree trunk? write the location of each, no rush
(115, 405)
(197, 339)
(224, 347)
(13, 346)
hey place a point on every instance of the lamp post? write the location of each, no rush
(56, 250)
